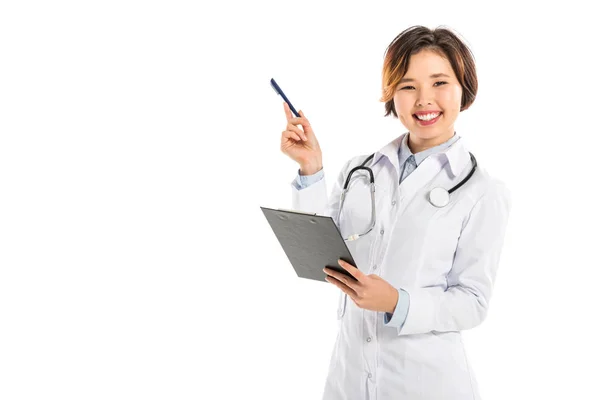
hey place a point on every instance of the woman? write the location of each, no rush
(424, 271)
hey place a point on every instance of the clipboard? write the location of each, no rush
(310, 241)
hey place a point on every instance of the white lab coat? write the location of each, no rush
(445, 258)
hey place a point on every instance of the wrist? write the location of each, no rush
(310, 169)
(393, 301)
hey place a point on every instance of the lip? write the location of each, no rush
(427, 112)
(427, 123)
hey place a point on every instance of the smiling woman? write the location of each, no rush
(425, 265)
(428, 78)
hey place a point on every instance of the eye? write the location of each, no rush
(412, 87)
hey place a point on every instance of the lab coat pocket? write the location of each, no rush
(342, 305)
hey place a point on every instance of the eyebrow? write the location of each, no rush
(431, 76)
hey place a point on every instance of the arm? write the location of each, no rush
(464, 304)
(313, 198)
(304, 181)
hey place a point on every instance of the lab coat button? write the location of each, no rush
(381, 231)
(394, 202)
(370, 376)
(368, 339)
(375, 266)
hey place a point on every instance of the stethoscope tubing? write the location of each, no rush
(372, 183)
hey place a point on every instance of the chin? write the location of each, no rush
(425, 135)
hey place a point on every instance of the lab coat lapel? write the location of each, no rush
(420, 177)
(456, 157)
(390, 150)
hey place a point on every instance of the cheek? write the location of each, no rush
(403, 106)
(450, 99)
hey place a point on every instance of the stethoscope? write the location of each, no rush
(438, 197)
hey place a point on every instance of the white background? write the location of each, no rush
(138, 140)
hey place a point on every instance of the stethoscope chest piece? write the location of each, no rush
(439, 197)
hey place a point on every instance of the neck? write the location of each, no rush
(417, 145)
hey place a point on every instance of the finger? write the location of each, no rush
(342, 287)
(355, 272)
(288, 112)
(295, 136)
(301, 121)
(291, 135)
(294, 128)
(342, 278)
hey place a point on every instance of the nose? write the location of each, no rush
(424, 97)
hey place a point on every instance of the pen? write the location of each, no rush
(280, 92)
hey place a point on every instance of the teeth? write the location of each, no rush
(428, 117)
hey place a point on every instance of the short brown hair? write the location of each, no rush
(440, 40)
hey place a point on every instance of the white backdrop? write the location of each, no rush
(139, 138)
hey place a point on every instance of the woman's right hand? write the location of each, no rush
(301, 145)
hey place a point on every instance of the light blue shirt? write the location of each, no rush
(408, 162)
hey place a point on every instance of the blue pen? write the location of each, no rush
(280, 92)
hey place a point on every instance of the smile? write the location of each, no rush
(427, 119)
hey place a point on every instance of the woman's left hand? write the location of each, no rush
(370, 292)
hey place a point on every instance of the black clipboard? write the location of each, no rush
(310, 241)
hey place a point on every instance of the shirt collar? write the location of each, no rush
(404, 152)
(452, 150)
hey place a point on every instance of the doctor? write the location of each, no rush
(425, 272)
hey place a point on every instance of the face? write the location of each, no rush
(428, 87)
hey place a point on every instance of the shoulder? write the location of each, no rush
(488, 188)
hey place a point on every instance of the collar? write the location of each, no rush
(405, 152)
(456, 154)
